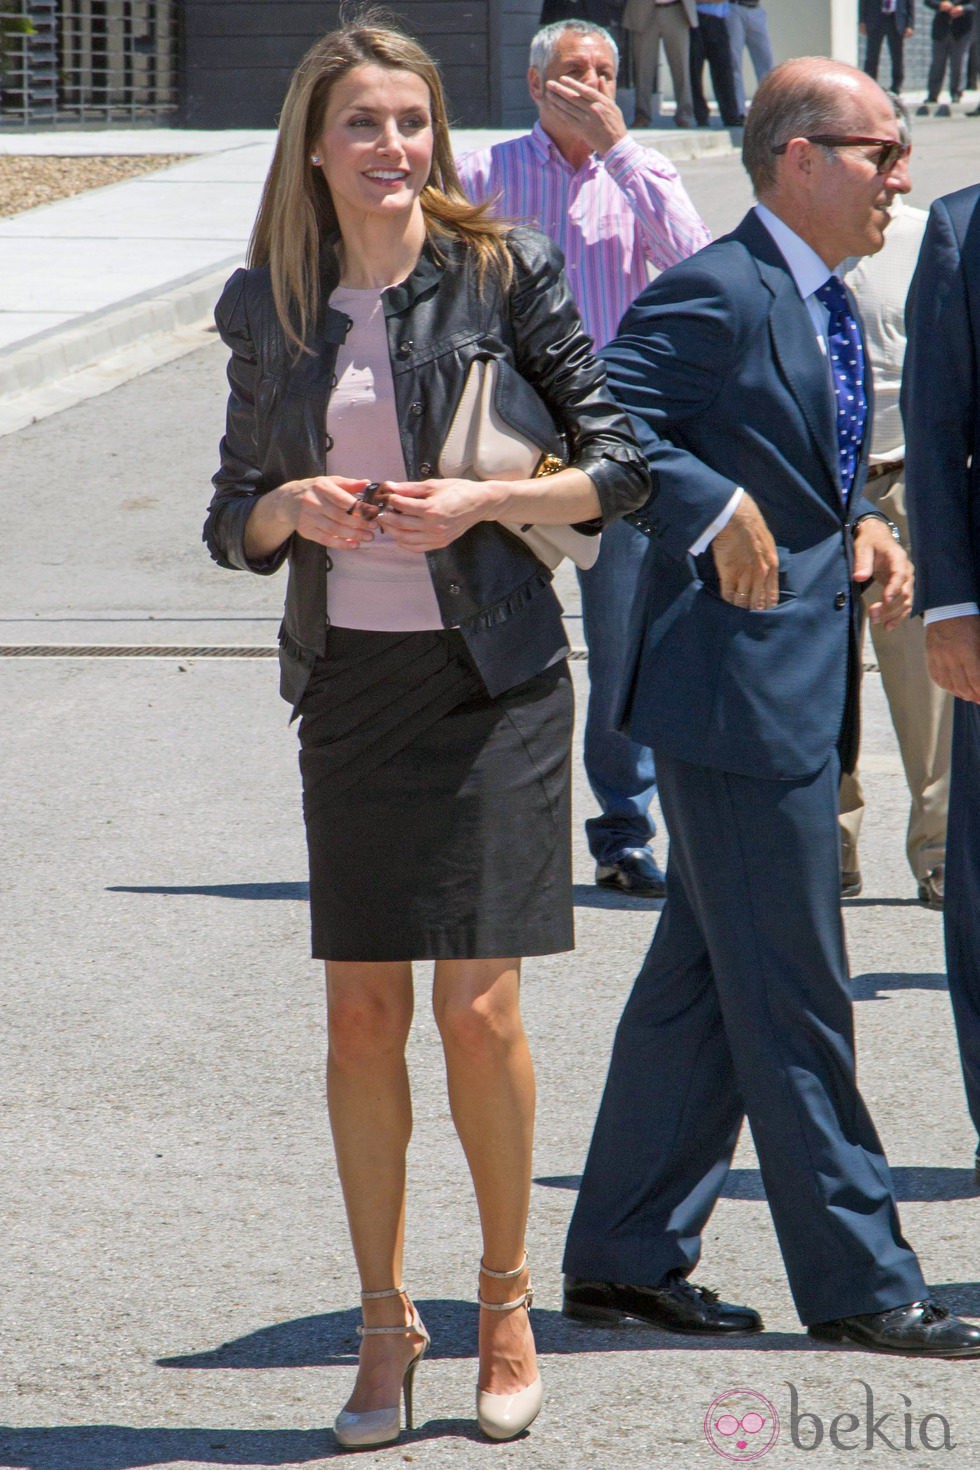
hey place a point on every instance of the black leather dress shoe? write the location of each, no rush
(675, 1305)
(850, 883)
(921, 1329)
(636, 873)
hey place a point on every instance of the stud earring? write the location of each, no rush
(315, 160)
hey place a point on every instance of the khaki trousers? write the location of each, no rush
(648, 25)
(921, 713)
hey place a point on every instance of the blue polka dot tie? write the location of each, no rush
(847, 367)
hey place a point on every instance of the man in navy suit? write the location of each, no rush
(742, 368)
(886, 20)
(941, 406)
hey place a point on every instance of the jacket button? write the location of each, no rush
(840, 600)
(454, 588)
(405, 348)
(425, 468)
(415, 408)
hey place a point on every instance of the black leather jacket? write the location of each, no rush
(488, 584)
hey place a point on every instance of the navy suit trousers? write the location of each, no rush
(742, 1007)
(963, 896)
(885, 28)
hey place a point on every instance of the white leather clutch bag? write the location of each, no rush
(501, 430)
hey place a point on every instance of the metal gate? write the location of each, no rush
(87, 61)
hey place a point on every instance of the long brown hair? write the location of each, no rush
(296, 215)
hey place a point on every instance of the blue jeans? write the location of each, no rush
(621, 773)
(749, 28)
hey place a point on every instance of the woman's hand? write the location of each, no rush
(325, 509)
(425, 515)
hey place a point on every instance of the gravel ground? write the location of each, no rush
(26, 181)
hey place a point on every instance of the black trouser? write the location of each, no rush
(709, 42)
(885, 28)
(952, 50)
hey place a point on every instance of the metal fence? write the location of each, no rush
(87, 61)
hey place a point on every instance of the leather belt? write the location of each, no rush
(887, 467)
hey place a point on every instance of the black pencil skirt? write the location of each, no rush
(438, 819)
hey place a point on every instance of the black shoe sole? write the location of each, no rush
(608, 1317)
(612, 1318)
(658, 891)
(831, 1332)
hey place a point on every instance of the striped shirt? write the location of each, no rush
(613, 218)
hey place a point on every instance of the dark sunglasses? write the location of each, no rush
(889, 152)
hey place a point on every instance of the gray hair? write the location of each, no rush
(796, 100)
(545, 43)
(902, 117)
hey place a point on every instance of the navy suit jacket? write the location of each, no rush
(718, 364)
(941, 404)
(870, 14)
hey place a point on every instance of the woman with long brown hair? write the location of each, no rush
(422, 646)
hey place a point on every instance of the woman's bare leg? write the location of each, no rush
(369, 1012)
(491, 1093)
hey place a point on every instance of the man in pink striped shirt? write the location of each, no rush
(618, 212)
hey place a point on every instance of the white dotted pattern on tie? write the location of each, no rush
(847, 365)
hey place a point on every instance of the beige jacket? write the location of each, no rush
(638, 14)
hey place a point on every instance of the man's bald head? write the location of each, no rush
(835, 194)
(806, 96)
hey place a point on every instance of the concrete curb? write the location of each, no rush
(60, 351)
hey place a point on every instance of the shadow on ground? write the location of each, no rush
(911, 1183)
(871, 987)
(587, 896)
(329, 1339)
(220, 890)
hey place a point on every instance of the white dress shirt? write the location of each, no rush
(809, 274)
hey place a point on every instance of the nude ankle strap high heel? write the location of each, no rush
(502, 1415)
(376, 1427)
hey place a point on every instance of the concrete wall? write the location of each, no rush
(518, 23)
(238, 55)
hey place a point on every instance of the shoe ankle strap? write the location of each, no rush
(363, 1331)
(526, 1299)
(504, 1275)
(414, 1325)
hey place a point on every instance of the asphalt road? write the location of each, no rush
(178, 1286)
